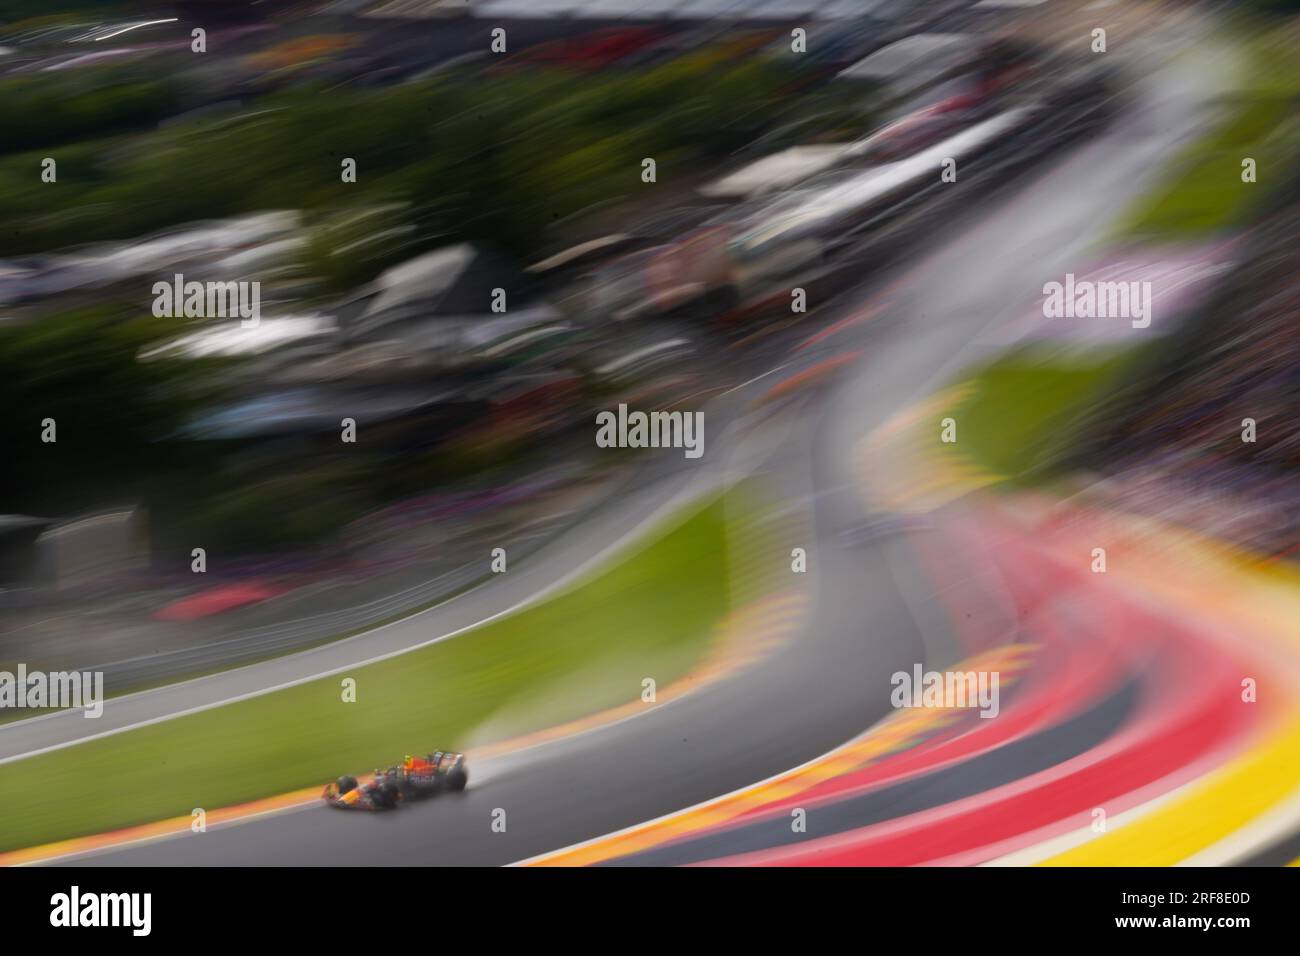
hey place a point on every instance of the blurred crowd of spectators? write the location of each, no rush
(1182, 446)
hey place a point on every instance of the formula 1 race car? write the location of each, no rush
(416, 779)
(425, 776)
(379, 793)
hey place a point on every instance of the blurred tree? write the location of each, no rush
(80, 369)
(483, 157)
(51, 109)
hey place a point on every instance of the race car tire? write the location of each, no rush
(387, 795)
(347, 784)
(457, 779)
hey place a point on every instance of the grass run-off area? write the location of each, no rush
(650, 614)
(1203, 193)
(1025, 405)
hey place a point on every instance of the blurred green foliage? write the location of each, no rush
(48, 109)
(17, 15)
(487, 157)
(494, 157)
(1274, 6)
(80, 369)
(285, 511)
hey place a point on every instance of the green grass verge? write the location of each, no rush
(1204, 194)
(650, 615)
(1027, 403)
